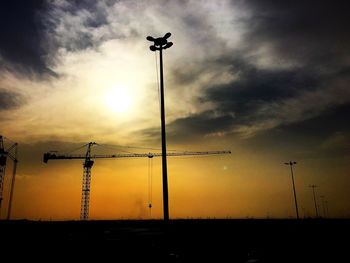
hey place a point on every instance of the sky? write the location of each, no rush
(265, 79)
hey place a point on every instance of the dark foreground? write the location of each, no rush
(250, 241)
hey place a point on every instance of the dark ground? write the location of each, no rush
(250, 240)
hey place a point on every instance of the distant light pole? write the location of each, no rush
(327, 208)
(161, 43)
(313, 191)
(295, 195)
(323, 205)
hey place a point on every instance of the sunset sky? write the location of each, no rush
(268, 80)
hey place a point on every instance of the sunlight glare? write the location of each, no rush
(118, 99)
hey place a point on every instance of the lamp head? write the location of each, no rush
(167, 35)
(169, 44)
(152, 48)
(160, 41)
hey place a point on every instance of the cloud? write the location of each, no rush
(81, 25)
(289, 66)
(193, 128)
(22, 45)
(10, 100)
(310, 32)
(236, 68)
(259, 99)
(337, 141)
(76, 25)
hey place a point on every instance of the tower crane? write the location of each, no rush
(89, 161)
(10, 152)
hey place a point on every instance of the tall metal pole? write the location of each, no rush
(313, 191)
(15, 161)
(160, 44)
(164, 160)
(295, 195)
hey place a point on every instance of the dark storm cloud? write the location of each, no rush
(22, 34)
(326, 136)
(9, 100)
(314, 32)
(255, 87)
(307, 53)
(242, 99)
(29, 35)
(190, 128)
(198, 124)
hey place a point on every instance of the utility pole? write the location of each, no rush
(313, 191)
(159, 44)
(290, 163)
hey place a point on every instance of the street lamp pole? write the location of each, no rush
(313, 191)
(159, 44)
(290, 163)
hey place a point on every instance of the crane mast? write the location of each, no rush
(88, 163)
(3, 159)
(85, 197)
(15, 161)
(4, 154)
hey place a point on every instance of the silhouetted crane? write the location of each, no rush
(10, 152)
(88, 163)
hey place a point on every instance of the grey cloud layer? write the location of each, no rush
(262, 65)
(291, 66)
(9, 100)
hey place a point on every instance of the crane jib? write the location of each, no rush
(53, 156)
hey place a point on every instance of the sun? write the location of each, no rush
(118, 99)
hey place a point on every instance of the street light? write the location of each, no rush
(290, 163)
(313, 191)
(159, 44)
